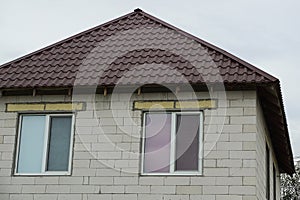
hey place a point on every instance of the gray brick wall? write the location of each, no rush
(106, 158)
(263, 138)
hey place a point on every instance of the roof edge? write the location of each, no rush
(68, 38)
(280, 99)
(247, 64)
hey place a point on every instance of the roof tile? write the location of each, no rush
(138, 49)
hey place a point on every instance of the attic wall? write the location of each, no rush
(263, 138)
(102, 172)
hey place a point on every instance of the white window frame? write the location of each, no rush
(173, 145)
(46, 147)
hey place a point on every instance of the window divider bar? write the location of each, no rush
(173, 143)
(201, 142)
(46, 143)
(18, 144)
(71, 143)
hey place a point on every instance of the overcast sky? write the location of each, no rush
(264, 33)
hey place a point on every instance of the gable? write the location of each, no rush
(139, 49)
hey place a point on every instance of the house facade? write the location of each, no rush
(138, 109)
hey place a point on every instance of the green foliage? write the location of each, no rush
(290, 186)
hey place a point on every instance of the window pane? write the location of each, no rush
(187, 143)
(157, 143)
(59, 143)
(31, 144)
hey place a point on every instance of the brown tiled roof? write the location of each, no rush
(140, 49)
(137, 48)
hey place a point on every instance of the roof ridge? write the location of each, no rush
(151, 17)
(231, 56)
(70, 38)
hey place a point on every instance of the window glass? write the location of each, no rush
(59, 143)
(187, 142)
(31, 145)
(44, 144)
(172, 143)
(157, 142)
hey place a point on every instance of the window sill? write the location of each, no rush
(173, 174)
(44, 174)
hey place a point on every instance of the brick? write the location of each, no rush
(5, 180)
(177, 181)
(6, 147)
(249, 128)
(216, 120)
(103, 147)
(243, 103)
(7, 156)
(58, 189)
(8, 139)
(242, 154)
(249, 111)
(81, 163)
(163, 190)
(33, 189)
(216, 172)
(7, 131)
(176, 197)
(215, 189)
(110, 155)
(45, 196)
(189, 190)
(228, 128)
(229, 181)
(243, 137)
(139, 189)
(112, 189)
(229, 197)
(69, 197)
(84, 172)
(46, 180)
(5, 164)
(125, 180)
(243, 120)
(101, 180)
(216, 154)
(203, 180)
(249, 180)
(202, 197)
(230, 111)
(150, 197)
(249, 163)
(21, 197)
(242, 171)
(69, 180)
(124, 196)
(84, 189)
(108, 172)
(210, 163)
(242, 190)
(247, 146)
(229, 146)
(86, 138)
(229, 163)
(151, 180)
(84, 155)
(99, 196)
(22, 180)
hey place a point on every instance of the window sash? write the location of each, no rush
(45, 146)
(173, 145)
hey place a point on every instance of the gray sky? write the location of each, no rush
(264, 33)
